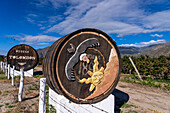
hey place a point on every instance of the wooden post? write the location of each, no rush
(6, 69)
(42, 96)
(9, 76)
(13, 75)
(135, 68)
(1, 65)
(21, 86)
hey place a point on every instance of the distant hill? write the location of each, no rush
(152, 50)
(156, 51)
(42, 52)
(126, 50)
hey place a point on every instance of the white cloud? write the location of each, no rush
(42, 43)
(30, 20)
(107, 15)
(158, 20)
(122, 17)
(143, 44)
(157, 35)
(32, 15)
(54, 3)
(42, 27)
(34, 40)
(54, 19)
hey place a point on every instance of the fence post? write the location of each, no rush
(9, 76)
(6, 69)
(42, 96)
(135, 68)
(21, 86)
(3, 67)
(13, 75)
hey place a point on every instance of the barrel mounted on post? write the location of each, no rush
(84, 66)
(22, 58)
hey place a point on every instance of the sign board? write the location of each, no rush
(84, 66)
(22, 57)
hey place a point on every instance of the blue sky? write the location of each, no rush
(39, 23)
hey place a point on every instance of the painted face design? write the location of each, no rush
(96, 76)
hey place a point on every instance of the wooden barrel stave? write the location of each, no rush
(45, 71)
(47, 68)
(50, 67)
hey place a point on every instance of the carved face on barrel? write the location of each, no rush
(96, 76)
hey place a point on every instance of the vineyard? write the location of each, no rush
(156, 68)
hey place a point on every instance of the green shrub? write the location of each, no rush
(10, 106)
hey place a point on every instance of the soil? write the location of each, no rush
(146, 99)
(142, 99)
(9, 96)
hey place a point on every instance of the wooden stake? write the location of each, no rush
(1, 65)
(21, 86)
(13, 75)
(135, 68)
(6, 69)
(42, 96)
(9, 74)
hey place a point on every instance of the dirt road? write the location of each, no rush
(146, 99)
(142, 99)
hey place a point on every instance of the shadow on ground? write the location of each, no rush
(120, 99)
(30, 98)
(38, 73)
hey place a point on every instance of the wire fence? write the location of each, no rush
(68, 108)
(55, 100)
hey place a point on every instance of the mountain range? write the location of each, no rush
(154, 50)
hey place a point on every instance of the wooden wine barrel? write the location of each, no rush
(84, 66)
(22, 56)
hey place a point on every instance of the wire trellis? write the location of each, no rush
(66, 108)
